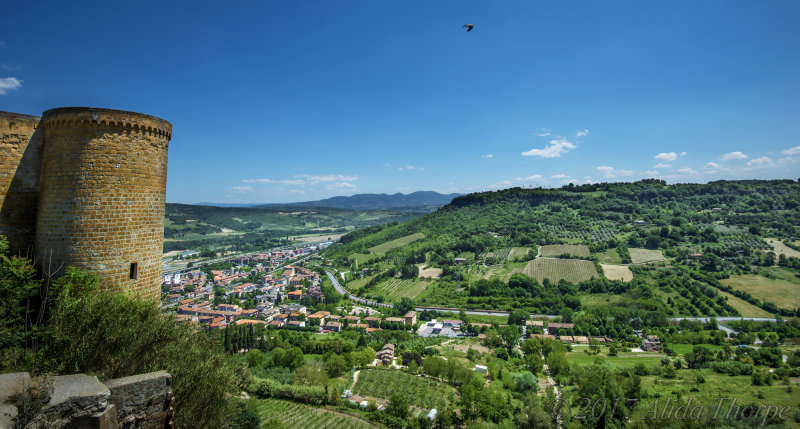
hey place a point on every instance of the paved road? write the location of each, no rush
(341, 290)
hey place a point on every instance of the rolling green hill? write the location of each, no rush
(682, 240)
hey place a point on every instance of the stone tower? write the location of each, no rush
(101, 196)
(20, 162)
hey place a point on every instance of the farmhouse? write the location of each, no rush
(651, 343)
(553, 328)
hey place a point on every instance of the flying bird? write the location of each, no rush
(468, 27)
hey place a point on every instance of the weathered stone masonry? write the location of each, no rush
(89, 184)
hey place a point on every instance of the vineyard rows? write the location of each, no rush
(579, 250)
(302, 416)
(572, 270)
(421, 392)
(746, 240)
(600, 235)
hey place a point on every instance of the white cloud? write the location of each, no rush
(340, 185)
(687, 170)
(488, 155)
(9, 84)
(326, 178)
(662, 165)
(683, 153)
(242, 188)
(560, 176)
(733, 156)
(582, 133)
(612, 173)
(712, 166)
(764, 161)
(667, 156)
(544, 133)
(792, 151)
(554, 150)
(652, 173)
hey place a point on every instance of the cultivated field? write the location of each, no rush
(779, 247)
(323, 237)
(505, 271)
(783, 289)
(745, 308)
(394, 289)
(362, 258)
(399, 242)
(430, 273)
(293, 415)
(518, 252)
(617, 272)
(579, 250)
(420, 391)
(571, 270)
(641, 256)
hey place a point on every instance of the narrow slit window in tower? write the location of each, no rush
(134, 270)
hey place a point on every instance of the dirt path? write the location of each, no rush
(355, 379)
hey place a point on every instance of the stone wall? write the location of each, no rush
(82, 401)
(20, 164)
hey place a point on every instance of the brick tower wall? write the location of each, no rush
(101, 201)
(20, 162)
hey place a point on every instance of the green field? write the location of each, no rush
(505, 271)
(571, 270)
(623, 360)
(303, 416)
(719, 386)
(745, 308)
(579, 250)
(641, 256)
(362, 258)
(518, 252)
(393, 289)
(420, 391)
(783, 289)
(399, 242)
(610, 256)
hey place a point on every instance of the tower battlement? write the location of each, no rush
(86, 187)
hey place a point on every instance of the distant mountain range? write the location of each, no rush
(415, 201)
(426, 200)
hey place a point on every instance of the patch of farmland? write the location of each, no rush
(518, 252)
(505, 271)
(431, 273)
(393, 289)
(303, 416)
(780, 247)
(398, 242)
(745, 308)
(420, 391)
(500, 254)
(641, 256)
(783, 289)
(617, 272)
(579, 250)
(572, 270)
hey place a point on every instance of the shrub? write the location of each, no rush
(117, 336)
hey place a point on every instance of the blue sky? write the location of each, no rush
(299, 100)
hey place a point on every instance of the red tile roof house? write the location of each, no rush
(333, 326)
(372, 321)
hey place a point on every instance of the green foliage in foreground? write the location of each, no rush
(74, 329)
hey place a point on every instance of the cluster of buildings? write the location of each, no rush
(248, 281)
